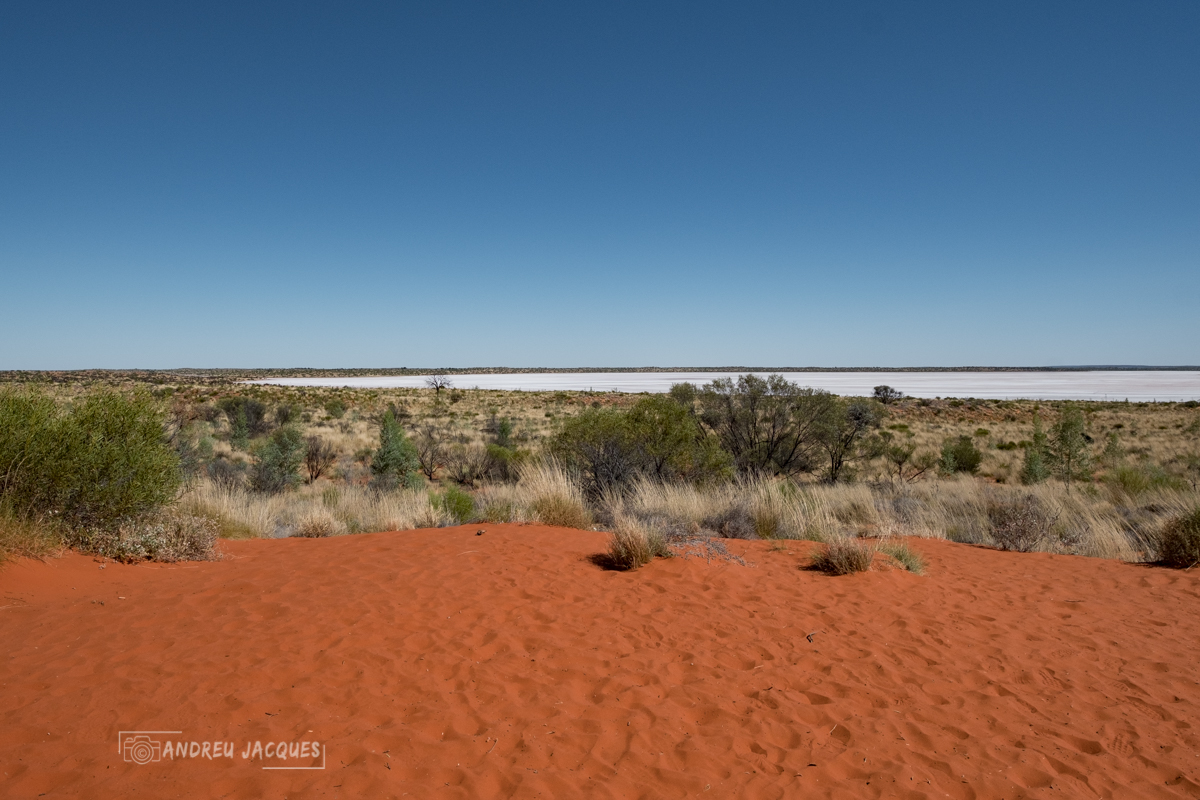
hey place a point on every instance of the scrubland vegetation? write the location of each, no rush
(159, 468)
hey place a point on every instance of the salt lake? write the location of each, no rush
(1132, 385)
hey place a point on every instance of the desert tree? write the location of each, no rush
(394, 463)
(598, 444)
(437, 383)
(467, 463)
(430, 443)
(887, 395)
(1069, 446)
(841, 429)
(319, 456)
(897, 454)
(768, 425)
(1035, 468)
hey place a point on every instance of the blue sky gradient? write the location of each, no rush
(599, 184)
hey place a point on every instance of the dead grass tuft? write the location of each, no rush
(843, 555)
(318, 523)
(634, 545)
(24, 538)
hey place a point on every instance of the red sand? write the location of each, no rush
(445, 664)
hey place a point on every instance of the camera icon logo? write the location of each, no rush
(141, 749)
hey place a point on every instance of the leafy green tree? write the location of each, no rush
(657, 437)
(277, 461)
(239, 430)
(598, 443)
(395, 463)
(504, 429)
(887, 395)
(897, 454)
(1069, 454)
(839, 430)
(1035, 468)
(768, 425)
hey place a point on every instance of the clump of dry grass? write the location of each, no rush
(552, 497)
(634, 545)
(748, 509)
(905, 555)
(843, 555)
(26, 538)
(243, 514)
(1179, 545)
(317, 523)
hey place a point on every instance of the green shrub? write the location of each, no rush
(335, 408)
(960, 455)
(104, 460)
(504, 429)
(277, 462)
(1036, 466)
(458, 504)
(395, 463)
(1179, 545)
(247, 416)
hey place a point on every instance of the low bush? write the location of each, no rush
(733, 522)
(319, 456)
(163, 536)
(335, 408)
(459, 505)
(1020, 522)
(1179, 543)
(844, 555)
(960, 455)
(277, 462)
(103, 460)
(499, 511)
(247, 418)
(227, 474)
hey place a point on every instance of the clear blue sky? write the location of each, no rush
(599, 184)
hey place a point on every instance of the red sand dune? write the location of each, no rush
(444, 664)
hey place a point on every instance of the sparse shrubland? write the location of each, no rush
(753, 458)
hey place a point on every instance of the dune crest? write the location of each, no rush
(441, 663)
